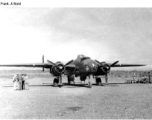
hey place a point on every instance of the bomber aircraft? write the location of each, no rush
(82, 67)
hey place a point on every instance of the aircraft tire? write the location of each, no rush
(98, 81)
(55, 82)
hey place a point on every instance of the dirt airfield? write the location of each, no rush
(43, 101)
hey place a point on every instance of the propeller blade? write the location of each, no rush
(114, 63)
(68, 63)
(43, 62)
(50, 62)
(97, 61)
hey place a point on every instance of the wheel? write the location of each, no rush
(72, 82)
(98, 81)
(55, 82)
(89, 84)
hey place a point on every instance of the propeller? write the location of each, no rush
(58, 69)
(106, 68)
(60, 64)
(98, 62)
(43, 62)
(68, 63)
(51, 62)
(110, 65)
(114, 63)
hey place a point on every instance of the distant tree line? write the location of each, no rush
(128, 74)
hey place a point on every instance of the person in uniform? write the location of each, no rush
(16, 82)
(149, 76)
(23, 82)
(26, 82)
(20, 81)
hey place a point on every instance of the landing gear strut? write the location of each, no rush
(57, 81)
(89, 82)
(83, 78)
(106, 79)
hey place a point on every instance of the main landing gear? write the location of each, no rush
(98, 81)
(57, 81)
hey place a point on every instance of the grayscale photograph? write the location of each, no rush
(75, 62)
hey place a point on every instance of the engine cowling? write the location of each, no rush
(57, 69)
(105, 68)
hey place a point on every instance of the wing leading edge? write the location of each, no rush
(27, 65)
(128, 65)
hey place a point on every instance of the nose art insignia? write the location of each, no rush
(93, 65)
(87, 68)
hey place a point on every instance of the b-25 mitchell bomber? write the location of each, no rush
(82, 67)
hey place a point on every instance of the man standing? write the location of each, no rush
(23, 82)
(15, 81)
(26, 83)
(20, 81)
(149, 76)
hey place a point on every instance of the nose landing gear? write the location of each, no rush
(89, 82)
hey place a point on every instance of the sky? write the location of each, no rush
(60, 34)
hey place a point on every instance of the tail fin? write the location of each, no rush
(43, 62)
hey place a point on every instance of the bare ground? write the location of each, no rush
(42, 101)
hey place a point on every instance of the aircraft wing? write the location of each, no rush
(42, 65)
(70, 67)
(126, 65)
(116, 64)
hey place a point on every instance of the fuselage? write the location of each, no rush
(83, 65)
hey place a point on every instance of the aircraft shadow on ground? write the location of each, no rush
(72, 85)
(78, 85)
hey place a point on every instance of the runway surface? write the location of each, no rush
(43, 101)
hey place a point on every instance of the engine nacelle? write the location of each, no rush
(57, 69)
(103, 69)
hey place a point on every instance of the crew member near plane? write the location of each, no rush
(23, 82)
(16, 82)
(20, 81)
(26, 83)
(149, 76)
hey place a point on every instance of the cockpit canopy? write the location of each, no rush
(81, 57)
